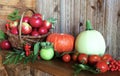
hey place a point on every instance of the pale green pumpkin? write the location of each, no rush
(90, 41)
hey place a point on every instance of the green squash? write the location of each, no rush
(90, 41)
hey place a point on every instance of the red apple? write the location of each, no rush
(35, 32)
(26, 28)
(37, 15)
(5, 45)
(14, 30)
(13, 24)
(35, 22)
(42, 30)
(47, 24)
(26, 19)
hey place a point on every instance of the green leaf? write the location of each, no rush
(26, 60)
(16, 12)
(2, 35)
(20, 58)
(52, 20)
(34, 58)
(16, 59)
(36, 48)
(6, 61)
(9, 55)
(14, 15)
(57, 55)
(80, 67)
(11, 60)
(22, 54)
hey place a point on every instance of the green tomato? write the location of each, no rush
(47, 53)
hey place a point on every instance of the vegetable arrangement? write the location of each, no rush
(107, 63)
(89, 45)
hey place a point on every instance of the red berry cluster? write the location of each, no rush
(27, 48)
(114, 65)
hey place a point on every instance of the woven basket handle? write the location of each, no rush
(20, 25)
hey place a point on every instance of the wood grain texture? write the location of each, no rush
(50, 8)
(111, 26)
(103, 14)
(118, 30)
(8, 6)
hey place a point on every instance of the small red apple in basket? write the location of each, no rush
(34, 32)
(13, 24)
(47, 24)
(35, 21)
(26, 19)
(37, 15)
(14, 30)
(43, 30)
(26, 28)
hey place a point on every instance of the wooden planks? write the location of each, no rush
(73, 14)
(111, 26)
(118, 30)
(8, 6)
(50, 8)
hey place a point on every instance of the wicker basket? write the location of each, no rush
(17, 41)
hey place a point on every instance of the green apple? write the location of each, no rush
(47, 53)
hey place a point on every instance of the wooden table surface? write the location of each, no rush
(59, 68)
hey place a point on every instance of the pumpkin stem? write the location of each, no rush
(88, 25)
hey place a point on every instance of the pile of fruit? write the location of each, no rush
(89, 53)
(33, 25)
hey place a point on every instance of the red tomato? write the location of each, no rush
(75, 56)
(107, 57)
(102, 66)
(83, 58)
(66, 58)
(93, 59)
